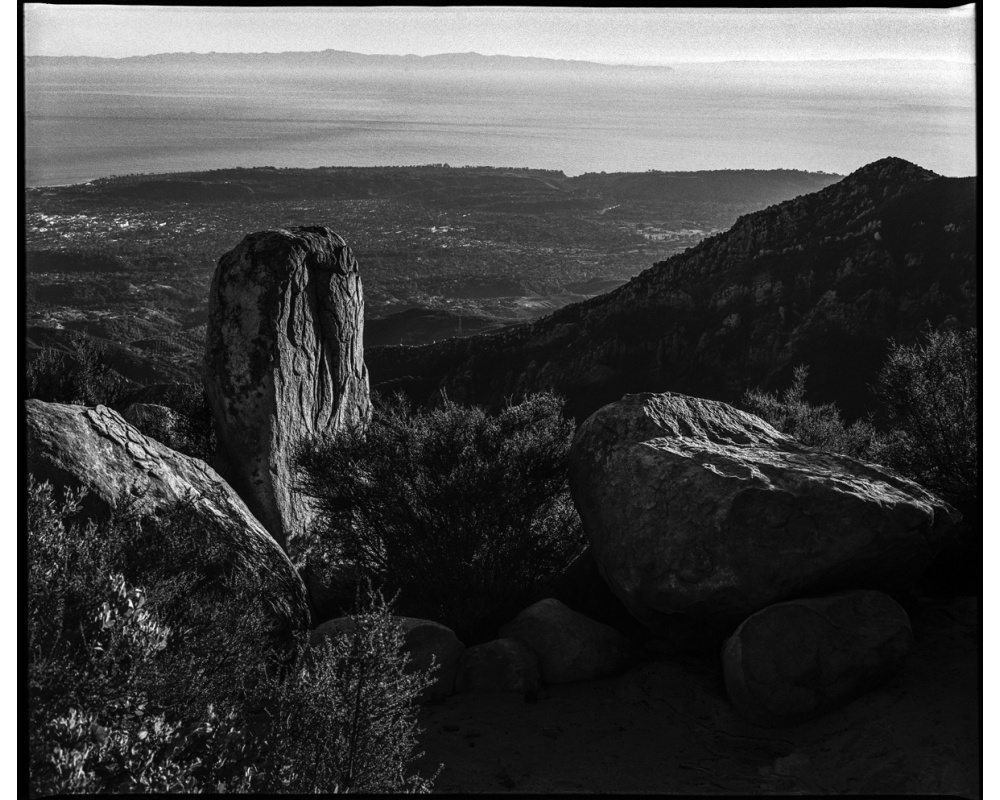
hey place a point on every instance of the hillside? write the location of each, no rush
(824, 279)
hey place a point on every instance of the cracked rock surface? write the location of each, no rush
(284, 360)
(699, 515)
(78, 446)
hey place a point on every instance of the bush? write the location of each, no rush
(83, 377)
(151, 669)
(466, 515)
(815, 426)
(345, 721)
(197, 426)
(929, 391)
(102, 685)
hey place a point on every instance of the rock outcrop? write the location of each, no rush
(94, 448)
(699, 515)
(503, 665)
(569, 646)
(424, 640)
(795, 661)
(283, 361)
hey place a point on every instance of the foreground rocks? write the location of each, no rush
(503, 665)
(283, 361)
(569, 646)
(425, 642)
(95, 448)
(699, 515)
(797, 660)
(668, 723)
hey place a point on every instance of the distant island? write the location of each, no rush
(338, 59)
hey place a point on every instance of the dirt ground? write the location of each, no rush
(666, 727)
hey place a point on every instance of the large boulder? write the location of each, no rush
(78, 447)
(424, 640)
(570, 647)
(699, 515)
(797, 660)
(283, 361)
(503, 665)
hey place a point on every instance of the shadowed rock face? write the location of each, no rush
(699, 515)
(797, 660)
(284, 360)
(95, 448)
(570, 647)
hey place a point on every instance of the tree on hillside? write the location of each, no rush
(930, 393)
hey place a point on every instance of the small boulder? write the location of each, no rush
(569, 646)
(424, 641)
(797, 660)
(698, 515)
(503, 665)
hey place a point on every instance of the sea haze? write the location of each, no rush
(88, 118)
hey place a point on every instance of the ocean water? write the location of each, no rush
(832, 117)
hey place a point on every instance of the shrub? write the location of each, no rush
(197, 426)
(345, 720)
(929, 391)
(814, 425)
(98, 721)
(83, 377)
(150, 668)
(466, 515)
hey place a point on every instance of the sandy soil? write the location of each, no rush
(665, 726)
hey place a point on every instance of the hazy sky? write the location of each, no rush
(637, 36)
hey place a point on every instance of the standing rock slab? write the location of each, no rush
(699, 515)
(569, 646)
(795, 661)
(94, 448)
(425, 641)
(503, 665)
(283, 360)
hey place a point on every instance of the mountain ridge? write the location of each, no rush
(811, 280)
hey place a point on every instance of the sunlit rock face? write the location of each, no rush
(699, 515)
(284, 360)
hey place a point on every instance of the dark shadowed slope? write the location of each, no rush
(825, 279)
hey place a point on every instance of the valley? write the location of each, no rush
(444, 252)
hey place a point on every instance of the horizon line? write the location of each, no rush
(644, 65)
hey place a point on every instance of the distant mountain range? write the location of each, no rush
(825, 279)
(334, 59)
